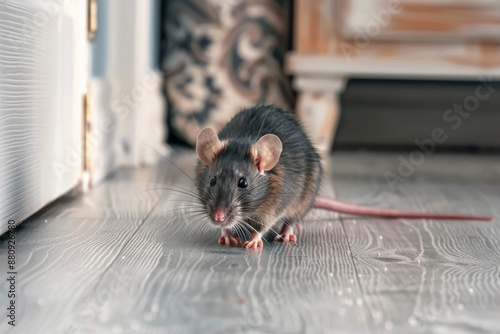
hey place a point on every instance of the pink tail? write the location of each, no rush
(358, 210)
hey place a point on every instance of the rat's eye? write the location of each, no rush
(213, 180)
(242, 183)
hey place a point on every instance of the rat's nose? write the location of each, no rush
(220, 215)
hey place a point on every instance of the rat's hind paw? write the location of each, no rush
(254, 242)
(286, 238)
(227, 238)
(286, 235)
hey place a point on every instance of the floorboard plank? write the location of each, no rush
(58, 263)
(183, 281)
(426, 276)
(110, 261)
(126, 194)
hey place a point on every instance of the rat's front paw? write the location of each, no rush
(254, 242)
(286, 235)
(227, 238)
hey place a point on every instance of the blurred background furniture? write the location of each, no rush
(337, 40)
(220, 57)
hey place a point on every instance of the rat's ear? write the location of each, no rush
(266, 152)
(208, 145)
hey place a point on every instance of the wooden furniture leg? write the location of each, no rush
(318, 109)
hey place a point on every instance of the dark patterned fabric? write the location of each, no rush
(221, 56)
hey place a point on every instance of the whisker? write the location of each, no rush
(257, 222)
(167, 159)
(263, 239)
(173, 189)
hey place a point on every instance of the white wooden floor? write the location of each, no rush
(127, 258)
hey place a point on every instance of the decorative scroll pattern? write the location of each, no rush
(222, 56)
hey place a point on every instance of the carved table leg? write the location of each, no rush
(318, 109)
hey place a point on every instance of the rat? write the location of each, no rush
(261, 172)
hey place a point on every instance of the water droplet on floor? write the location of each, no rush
(354, 222)
(418, 261)
(329, 224)
(46, 221)
(378, 254)
(388, 325)
(385, 269)
(123, 256)
(471, 290)
(359, 301)
(359, 275)
(351, 280)
(331, 274)
(381, 237)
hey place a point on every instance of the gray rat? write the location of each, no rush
(261, 171)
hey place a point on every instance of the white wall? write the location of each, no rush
(127, 87)
(43, 72)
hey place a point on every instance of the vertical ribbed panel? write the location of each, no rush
(40, 104)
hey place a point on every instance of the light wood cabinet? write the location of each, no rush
(335, 40)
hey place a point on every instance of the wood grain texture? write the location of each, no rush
(459, 35)
(126, 194)
(189, 279)
(165, 273)
(314, 26)
(58, 263)
(426, 276)
(449, 21)
(373, 63)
